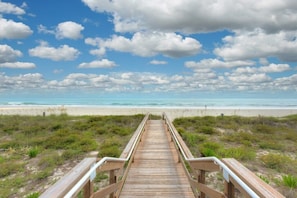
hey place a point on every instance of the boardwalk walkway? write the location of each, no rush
(156, 171)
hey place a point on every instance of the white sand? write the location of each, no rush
(172, 112)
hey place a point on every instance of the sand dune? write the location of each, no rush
(172, 112)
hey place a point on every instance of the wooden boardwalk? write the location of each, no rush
(156, 171)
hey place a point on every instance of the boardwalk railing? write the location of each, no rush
(235, 175)
(115, 166)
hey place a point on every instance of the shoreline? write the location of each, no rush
(172, 112)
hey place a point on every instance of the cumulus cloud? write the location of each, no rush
(192, 16)
(158, 62)
(104, 63)
(153, 82)
(258, 44)
(286, 83)
(69, 29)
(62, 53)
(22, 81)
(253, 78)
(215, 63)
(8, 54)
(18, 65)
(148, 44)
(273, 68)
(13, 30)
(9, 8)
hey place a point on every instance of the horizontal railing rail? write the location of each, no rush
(186, 154)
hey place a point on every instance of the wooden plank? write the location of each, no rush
(106, 191)
(209, 191)
(204, 165)
(252, 180)
(111, 165)
(156, 171)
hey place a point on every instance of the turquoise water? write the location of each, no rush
(155, 102)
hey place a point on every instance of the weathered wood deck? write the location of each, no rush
(156, 171)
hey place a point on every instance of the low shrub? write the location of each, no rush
(33, 152)
(276, 161)
(111, 151)
(8, 168)
(207, 130)
(45, 173)
(193, 139)
(239, 153)
(71, 154)
(274, 145)
(50, 160)
(290, 181)
(33, 195)
(265, 129)
(208, 149)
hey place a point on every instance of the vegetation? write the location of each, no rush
(267, 145)
(33, 148)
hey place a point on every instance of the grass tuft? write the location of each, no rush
(290, 181)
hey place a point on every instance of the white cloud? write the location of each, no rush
(272, 68)
(62, 53)
(98, 52)
(104, 63)
(198, 16)
(158, 62)
(13, 30)
(8, 8)
(215, 63)
(67, 29)
(23, 81)
(148, 44)
(42, 29)
(70, 30)
(152, 82)
(257, 44)
(286, 83)
(18, 65)
(8, 54)
(253, 78)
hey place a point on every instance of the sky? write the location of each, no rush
(160, 47)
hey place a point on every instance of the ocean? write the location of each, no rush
(123, 101)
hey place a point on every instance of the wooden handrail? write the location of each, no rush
(233, 178)
(252, 180)
(70, 179)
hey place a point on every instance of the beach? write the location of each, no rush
(172, 112)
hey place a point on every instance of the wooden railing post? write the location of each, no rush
(229, 189)
(201, 179)
(112, 180)
(88, 189)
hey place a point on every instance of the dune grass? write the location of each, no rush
(32, 148)
(267, 145)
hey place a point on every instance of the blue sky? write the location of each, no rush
(168, 47)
